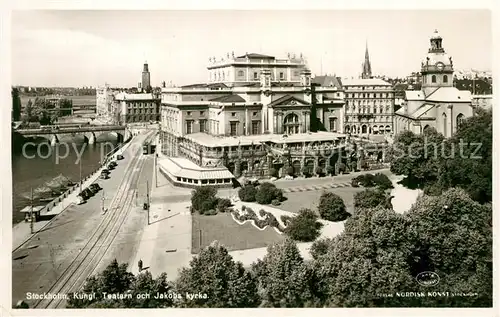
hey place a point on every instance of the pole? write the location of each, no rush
(147, 198)
(80, 175)
(156, 169)
(31, 212)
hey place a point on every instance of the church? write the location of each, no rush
(438, 104)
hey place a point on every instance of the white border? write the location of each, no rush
(207, 5)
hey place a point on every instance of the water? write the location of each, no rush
(28, 173)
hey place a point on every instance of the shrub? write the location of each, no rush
(354, 166)
(354, 182)
(272, 221)
(262, 213)
(275, 202)
(382, 181)
(267, 192)
(371, 198)
(260, 223)
(273, 172)
(201, 195)
(332, 208)
(285, 219)
(223, 204)
(243, 208)
(306, 171)
(330, 170)
(320, 247)
(290, 171)
(342, 167)
(365, 180)
(304, 227)
(250, 213)
(210, 212)
(247, 193)
(319, 170)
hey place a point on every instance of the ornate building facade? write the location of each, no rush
(438, 104)
(251, 123)
(369, 106)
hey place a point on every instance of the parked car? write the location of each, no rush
(93, 189)
(119, 157)
(84, 195)
(105, 174)
(89, 192)
(113, 163)
(81, 200)
(96, 186)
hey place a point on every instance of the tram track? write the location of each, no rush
(91, 254)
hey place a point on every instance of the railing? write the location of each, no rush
(84, 128)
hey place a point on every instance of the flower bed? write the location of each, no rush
(260, 221)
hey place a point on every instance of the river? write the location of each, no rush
(42, 163)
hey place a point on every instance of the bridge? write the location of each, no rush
(52, 133)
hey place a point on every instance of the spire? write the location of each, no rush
(367, 68)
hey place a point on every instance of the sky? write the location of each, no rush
(90, 48)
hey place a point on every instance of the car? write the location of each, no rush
(95, 186)
(81, 200)
(84, 195)
(93, 189)
(89, 192)
(113, 163)
(105, 171)
(119, 157)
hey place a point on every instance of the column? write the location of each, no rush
(449, 122)
(269, 163)
(316, 164)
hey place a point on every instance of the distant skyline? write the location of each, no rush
(91, 48)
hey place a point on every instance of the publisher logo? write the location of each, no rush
(427, 278)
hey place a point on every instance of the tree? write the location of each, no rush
(320, 247)
(304, 227)
(372, 198)
(284, 279)
(218, 279)
(65, 107)
(470, 163)
(247, 193)
(331, 207)
(204, 198)
(273, 172)
(417, 157)
(145, 284)
(290, 171)
(267, 192)
(16, 104)
(454, 239)
(28, 113)
(114, 279)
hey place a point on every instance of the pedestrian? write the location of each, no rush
(140, 265)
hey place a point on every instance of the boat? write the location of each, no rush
(46, 200)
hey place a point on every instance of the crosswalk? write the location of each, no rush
(315, 187)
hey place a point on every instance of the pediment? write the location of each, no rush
(288, 100)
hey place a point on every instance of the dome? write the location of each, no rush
(435, 35)
(437, 58)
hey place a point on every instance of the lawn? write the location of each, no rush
(310, 199)
(223, 228)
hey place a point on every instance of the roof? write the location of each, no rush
(450, 94)
(255, 55)
(365, 82)
(327, 81)
(422, 110)
(181, 167)
(127, 96)
(214, 141)
(211, 85)
(229, 98)
(414, 95)
(286, 98)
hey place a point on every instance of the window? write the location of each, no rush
(189, 126)
(255, 76)
(202, 113)
(460, 120)
(291, 124)
(255, 127)
(445, 79)
(233, 126)
(433, 79)
(240, 73)
(203, 125)
(282, 76)
(233, 114)
(189, 113)
(333, 124)
(254, 113)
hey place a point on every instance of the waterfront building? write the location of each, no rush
(256, 115)
(437, 104)
(136, 108)
(104, 102)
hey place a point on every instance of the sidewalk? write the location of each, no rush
(165, 244)
(21, 232)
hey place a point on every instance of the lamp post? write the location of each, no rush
(31, 211)
(147, 199)
(80, 175)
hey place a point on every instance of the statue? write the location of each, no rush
(232, 54)
(451, 61)
(427, 61)
(227, 55)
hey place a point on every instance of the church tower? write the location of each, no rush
(437, 68)
(146, 78)
(367, 68)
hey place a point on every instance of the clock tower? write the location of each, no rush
(437, 68)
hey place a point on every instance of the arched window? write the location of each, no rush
(291, 123)
(445, 78)
(433, 79)
(460, 120)
(364, 129)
